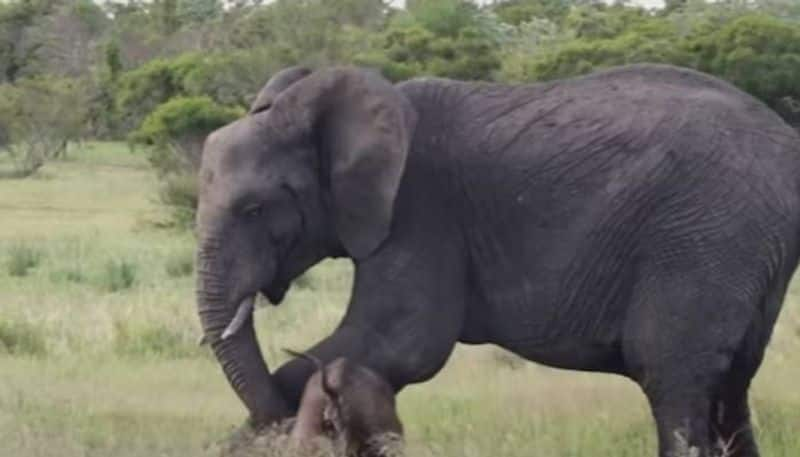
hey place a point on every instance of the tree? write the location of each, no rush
(40, 116)
(141, 90)
(444, 17)
(789, 9)
(516, 12)
(595, 37)
(315, 31)
(451, 38)
(69, 37)
(601, 21)
(168, 15)
(199, 10)
(759, 54)
(672, 5)
(175, 132)
(17, 46)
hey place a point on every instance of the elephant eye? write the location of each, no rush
(253, 211)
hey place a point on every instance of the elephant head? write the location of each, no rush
(351, 403)
(311, 172)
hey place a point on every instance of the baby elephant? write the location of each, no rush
(352, 405)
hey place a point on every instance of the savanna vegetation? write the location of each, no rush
(103, 108)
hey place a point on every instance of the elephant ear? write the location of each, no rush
(363, 127)
(277, 84)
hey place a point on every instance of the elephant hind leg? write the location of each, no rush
(683, 404)
(730, 411)
(681, 340)
(731, 427)
(682, 424)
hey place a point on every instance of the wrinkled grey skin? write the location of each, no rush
(349, 402)
(641, 221)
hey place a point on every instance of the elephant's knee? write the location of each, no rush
(417, 365)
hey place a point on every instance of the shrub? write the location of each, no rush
(233, 78)
(649, 43)
(519, 12)
(141, 90)
(178, 192)
(22, 258)
(229, 78)
(180, 265)
(39, 117)
(452, 39)
(757, 53)
(119, 275)
(176, 132)
(22, 338)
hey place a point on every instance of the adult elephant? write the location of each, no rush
(642, 221)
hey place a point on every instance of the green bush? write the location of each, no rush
(22, 338)
(175, 133)
(141, 90)
(184, 115)
(230, 78)
(177, 130)
(119, 275)
(39, 117)
(464, 47)
(178, 193)
(653, 42)
(22, 258)
(517, 12)
(599, 21)
(757, 53)
(233, 78)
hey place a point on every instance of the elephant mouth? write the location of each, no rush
(275, 293)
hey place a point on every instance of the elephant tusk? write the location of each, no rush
(245, 310)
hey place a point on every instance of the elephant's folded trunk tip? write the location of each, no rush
(244, 311)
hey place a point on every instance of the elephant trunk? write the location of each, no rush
(239, 354)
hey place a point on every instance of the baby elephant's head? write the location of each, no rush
(351, 404)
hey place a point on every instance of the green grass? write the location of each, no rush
(22, 257)
(180, 264)
(119, 275)
(21, 338)
(98, 353)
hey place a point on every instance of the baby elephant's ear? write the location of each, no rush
(277, 84)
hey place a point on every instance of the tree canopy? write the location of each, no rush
(137, 67)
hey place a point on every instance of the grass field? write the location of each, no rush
(98, 354)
